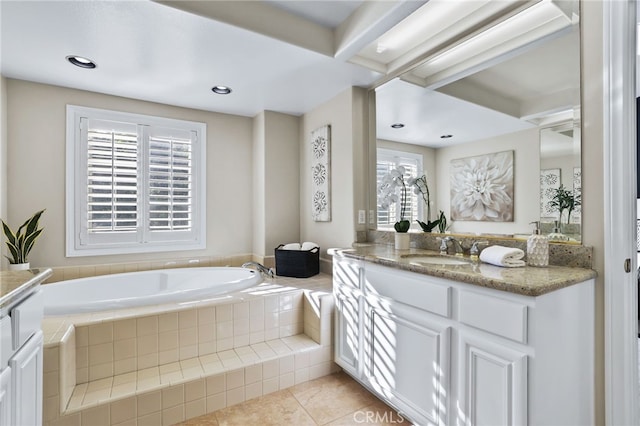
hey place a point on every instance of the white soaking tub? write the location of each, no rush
(117, 291)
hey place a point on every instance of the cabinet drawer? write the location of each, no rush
(26, 318)
(495, 315)
(6, 341)
(409, 288)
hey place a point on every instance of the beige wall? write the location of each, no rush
(259, 185)
(36, 172)
(3, 160)
(593, 171)
(526, 147)
(349, 183)
(282, 173)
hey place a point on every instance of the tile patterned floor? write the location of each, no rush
(333, 400)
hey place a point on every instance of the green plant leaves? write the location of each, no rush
(21, 243)
(428, 227)
(402, 226)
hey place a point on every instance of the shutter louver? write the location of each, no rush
(112, 170)
(170, 182)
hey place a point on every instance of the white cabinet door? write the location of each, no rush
(26, 384)
(408, 361)
(5, 397)
(493, 383)
(347, 339)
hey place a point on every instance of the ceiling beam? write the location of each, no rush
(262, 18)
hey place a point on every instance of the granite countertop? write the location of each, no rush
(528, 280)
(15, 284)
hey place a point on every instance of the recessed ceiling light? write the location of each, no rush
(397, 126)
(446, 136)
(81, 62)
(221, 90)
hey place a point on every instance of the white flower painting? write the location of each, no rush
(482, 188)
(321, 174)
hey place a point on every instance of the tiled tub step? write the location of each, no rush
(176, 362)
(181, 390)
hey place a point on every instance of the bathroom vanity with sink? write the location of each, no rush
(21, 312)
(458, 342)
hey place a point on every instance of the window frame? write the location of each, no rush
(143, 240)
(397, 156)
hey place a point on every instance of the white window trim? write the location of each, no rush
(393, 155)
(74, 191)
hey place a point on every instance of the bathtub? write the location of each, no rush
(117, 291)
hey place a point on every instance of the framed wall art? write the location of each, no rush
(321, 174)
(549, 182)
(482, 188)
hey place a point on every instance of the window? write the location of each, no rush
(135, 183)
(412, 163)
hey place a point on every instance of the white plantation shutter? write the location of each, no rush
(134, 183)
(388, 160)
(112, 172)
(170, 177)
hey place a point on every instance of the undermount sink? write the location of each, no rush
(437, 260)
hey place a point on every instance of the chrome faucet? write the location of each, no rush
(444, 245)
(260, 268)
(474, 250)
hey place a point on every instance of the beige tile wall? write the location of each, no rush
(73, 272)
(257, 329)
(117, 347)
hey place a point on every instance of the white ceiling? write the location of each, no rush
(279, 55)
(154, 52)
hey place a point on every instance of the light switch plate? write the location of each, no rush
(361, 217)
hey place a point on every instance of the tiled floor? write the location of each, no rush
(336, 399)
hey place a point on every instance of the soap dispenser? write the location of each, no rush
(537, 248)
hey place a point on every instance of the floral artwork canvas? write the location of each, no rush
(321, 174)
(482, 188)
(549, 183)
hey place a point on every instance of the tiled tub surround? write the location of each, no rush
(63, 273)
(164, 364)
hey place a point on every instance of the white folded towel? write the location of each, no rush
(307, 245)
(503, 256)
(291, 246)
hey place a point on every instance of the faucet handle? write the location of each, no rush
(443, 244)
(474, 247)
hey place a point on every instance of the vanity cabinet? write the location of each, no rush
(21, 371)
(443, 352)
(5, 396)
(348, 302)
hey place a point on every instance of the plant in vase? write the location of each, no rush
(21, 242)
(422, 188)
(388, 196)
(564, 199)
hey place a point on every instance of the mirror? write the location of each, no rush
(508, 104)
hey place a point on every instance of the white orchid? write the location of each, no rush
(388, 195)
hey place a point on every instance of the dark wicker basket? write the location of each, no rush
(297, 263)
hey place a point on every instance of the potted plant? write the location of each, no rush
(422, 188)
(21, 242)
(387, 191)
(564, 199)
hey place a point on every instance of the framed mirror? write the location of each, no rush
(493, 122)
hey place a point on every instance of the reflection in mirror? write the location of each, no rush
(525, 100)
